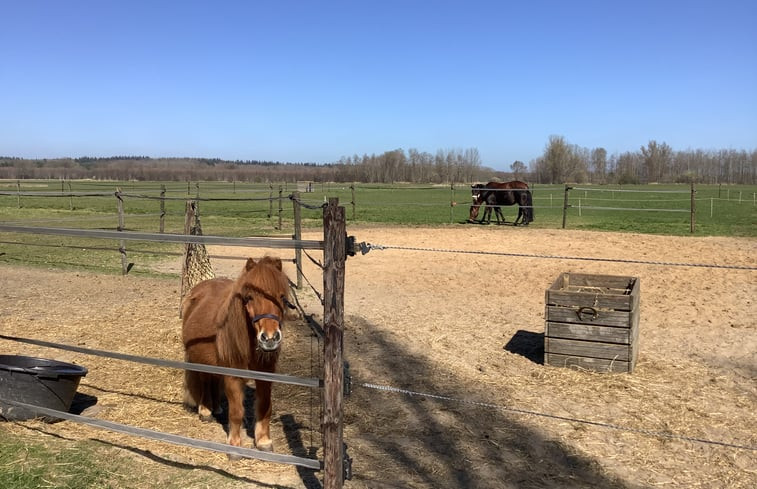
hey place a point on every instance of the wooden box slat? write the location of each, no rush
(598, 291)
(597, 364)
(619, 319)
(588, 332)
(593, 349)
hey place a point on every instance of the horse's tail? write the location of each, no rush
(530, 204)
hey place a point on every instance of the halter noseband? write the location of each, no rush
(258, 317)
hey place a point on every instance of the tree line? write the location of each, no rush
(654, 163)
(559, 163)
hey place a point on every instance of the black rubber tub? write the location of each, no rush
(38, 381)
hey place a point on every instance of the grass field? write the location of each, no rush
(237, 209)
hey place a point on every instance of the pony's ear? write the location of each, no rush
(274, 261)
(249, 265)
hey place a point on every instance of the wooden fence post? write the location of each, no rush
(270, 201)
(121, 226)
(693, 208)
(565, 206)
(297, 236)
(162, 208)
(18, 186)
(451, 201)
(352, 188)
(334, 257)
(70, 197)
(281, 208)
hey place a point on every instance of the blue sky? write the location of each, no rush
(301, 81)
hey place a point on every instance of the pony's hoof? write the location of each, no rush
(265, 447)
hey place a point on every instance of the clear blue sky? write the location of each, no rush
(311, 81)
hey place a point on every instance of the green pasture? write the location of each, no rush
(33, 461)
(245, 209)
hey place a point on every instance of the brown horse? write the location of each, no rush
(235, 323)
(498, 194)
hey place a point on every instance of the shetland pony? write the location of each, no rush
(496, 194)
(235, 323)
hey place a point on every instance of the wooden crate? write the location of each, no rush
(592, 321)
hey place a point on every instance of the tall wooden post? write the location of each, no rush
(352, 188)
(565, 206)
(121, 225)
(18, 186)
(270, 201)
(693, 208)
(297, 236)
(162, 208)
(451, 201)
(281, 208)
(334, 257)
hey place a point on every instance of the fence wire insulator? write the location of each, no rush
(366, 247)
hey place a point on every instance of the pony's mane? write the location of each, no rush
(259, 281)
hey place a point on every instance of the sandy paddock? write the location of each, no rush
(462, 327)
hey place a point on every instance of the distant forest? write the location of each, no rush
(561, 162)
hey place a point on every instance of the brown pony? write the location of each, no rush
(498, 194)
(235, 323)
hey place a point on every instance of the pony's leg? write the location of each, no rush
(234, 388)
(211, 398)
(196, 394)
(263, 408)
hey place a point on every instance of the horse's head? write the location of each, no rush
(266, 295)
(476, 194)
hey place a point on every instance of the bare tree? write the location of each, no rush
(657, 158)
(599, 165)
(518, 168)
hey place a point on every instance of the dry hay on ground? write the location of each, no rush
(465, 326)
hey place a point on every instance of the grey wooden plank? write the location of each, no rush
(591, 349)
(588, 332)
(596, 364)
(620, 319)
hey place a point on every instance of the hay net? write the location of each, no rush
(196, 265)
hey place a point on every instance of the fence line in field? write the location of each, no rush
(366, 247)
(335, 247)
(652, 433)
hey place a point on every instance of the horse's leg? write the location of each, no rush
(197, 387)
(234, 388)
(263, 408)
(519, 217)
(498, 210)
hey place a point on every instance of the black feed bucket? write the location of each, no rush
(38, 381)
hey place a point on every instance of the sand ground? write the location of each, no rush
(462, 335)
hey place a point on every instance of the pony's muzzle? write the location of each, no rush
(268, 342)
